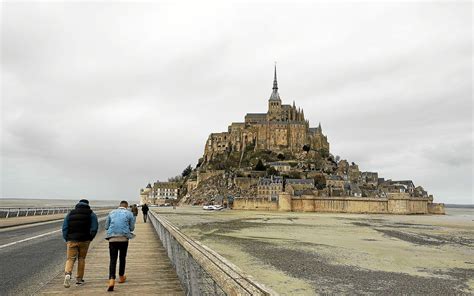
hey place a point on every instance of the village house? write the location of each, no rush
(270, 188)
(352, 189)
(308, 183)
(299, 187)
(410, 187)
(370, 178)
(280, 166)
(334, 181)
(354, 173)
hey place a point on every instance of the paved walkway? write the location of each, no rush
(148, 270)
(16, 221)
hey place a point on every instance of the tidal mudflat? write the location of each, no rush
(316, 253)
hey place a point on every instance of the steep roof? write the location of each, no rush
(300, 181)
(270, 181)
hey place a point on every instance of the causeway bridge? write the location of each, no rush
(161, 260)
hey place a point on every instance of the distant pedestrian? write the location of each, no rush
(145, 210)
(79, 229)
(134, 210)
(119, 224)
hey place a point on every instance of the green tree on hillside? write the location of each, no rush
(271, 171)
(260, 166)
(187, 171)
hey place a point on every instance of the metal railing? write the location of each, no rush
(200, 270)
(24, 212)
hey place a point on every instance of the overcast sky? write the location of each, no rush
(98, 99)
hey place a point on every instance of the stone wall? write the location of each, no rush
(339, 205)
(202, 176)
(253, 203)
(245, 182)
(308, 203)
(436, 208)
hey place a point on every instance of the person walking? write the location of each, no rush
(119, 224)
(79, 229)
(145, 212)
(134, 211)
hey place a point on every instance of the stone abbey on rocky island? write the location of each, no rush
(281, 128)
(276, 161)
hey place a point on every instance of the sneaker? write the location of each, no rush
(79, 282)
(67, 281)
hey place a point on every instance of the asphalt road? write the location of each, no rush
(26, 265)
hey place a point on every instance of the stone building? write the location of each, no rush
(410, 187)
(280, 166)
(269, 188)
(307, 183)
(282, 128)
(354, 173)
(335, 181)
(342, 168)
(352, 189)
(370, 178)
(146, 195)
(166, 190)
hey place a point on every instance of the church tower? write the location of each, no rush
(274, 103)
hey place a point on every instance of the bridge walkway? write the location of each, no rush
(148, 270)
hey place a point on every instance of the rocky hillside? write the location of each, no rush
(215, 188)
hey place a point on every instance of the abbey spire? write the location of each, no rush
(275, 95)
(275, 83)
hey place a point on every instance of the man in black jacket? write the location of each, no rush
(79, 229)
(145, 212)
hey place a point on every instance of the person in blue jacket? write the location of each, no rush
(119, 224)
(79, 229)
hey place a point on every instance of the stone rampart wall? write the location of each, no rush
(308, 203)
(436, 208)
(339, 205)
(261, 204)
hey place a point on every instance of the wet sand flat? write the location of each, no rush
(316, 253)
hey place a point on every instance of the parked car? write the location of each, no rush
(212, 207)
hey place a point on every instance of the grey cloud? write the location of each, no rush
(100, 98)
